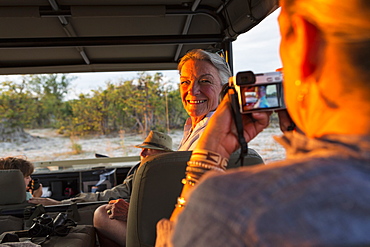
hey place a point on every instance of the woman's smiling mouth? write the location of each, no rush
(196, 101)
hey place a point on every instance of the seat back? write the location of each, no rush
(12, 195)
(157, 184)
(12, 187)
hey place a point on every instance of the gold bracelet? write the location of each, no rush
(181, 202)
(195, 169)
(200, 164)
(188, 182)
(209, 157)
(193, 176)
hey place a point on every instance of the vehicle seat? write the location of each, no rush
(13, 203)
(12, 188)
(157, 184)
(12, 196)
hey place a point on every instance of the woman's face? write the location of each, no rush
(200, 86)
(27, 180)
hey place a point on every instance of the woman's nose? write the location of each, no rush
(194, 88)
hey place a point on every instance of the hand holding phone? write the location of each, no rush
(35, 187)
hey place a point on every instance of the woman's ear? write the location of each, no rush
(223, 92)
(309, 45)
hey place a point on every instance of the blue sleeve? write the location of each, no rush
(206, 220)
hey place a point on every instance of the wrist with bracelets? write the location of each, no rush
(209, 157)
(200, 162)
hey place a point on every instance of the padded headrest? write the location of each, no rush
(12, 187)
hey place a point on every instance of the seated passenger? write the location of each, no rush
(27, 169)
(155, 143)
(110, 220)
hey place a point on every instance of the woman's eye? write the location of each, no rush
(184, 82)
(205, 81)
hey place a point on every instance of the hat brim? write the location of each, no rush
(153, 147)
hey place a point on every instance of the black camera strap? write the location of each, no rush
(32, 212)
(235, 108)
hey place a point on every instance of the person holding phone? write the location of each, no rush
(27, 169)
(319, 195)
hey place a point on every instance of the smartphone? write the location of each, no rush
(34, 184)
(259, 92)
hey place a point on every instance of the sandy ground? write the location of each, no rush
(49, 146)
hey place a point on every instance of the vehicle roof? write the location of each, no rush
(66, 36)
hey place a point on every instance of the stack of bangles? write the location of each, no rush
(200, 162)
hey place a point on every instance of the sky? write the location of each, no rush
(256, 50)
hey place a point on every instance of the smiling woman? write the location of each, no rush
(202, 75)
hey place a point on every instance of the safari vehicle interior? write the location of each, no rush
(64, 36)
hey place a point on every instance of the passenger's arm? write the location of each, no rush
(44, 201)
(119, 191)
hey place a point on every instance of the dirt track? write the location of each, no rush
(48, 145)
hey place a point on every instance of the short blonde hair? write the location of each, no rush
(345, 23)
(341, 21)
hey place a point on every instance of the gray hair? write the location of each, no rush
(216, 60)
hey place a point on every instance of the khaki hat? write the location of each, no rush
(157, 140)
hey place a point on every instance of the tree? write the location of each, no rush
(35, 101)
(176, 109)
(50, 90)
(44, 85)
(17, 106)
(137, 104)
